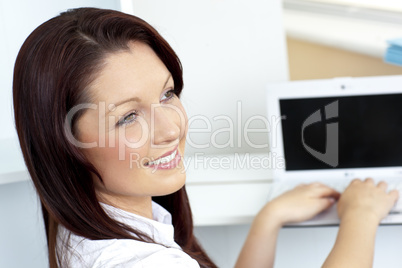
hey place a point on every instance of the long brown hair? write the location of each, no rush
(53, 70)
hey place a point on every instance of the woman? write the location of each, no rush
(103, 131)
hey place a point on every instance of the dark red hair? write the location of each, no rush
(53, 70)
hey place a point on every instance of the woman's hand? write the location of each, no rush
(301, 203)
(361, 208)
(364, 198)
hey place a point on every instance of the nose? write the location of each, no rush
(166, 126)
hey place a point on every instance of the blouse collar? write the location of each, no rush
(160, 228)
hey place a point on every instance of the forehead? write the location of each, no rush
(131, 73)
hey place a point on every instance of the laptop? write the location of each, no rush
(335, 130)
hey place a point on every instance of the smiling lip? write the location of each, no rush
(168, 153)
(168, 165)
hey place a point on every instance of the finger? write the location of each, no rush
(382, 185)
(369, 180)
(394, 194)
(354, 181)
(325, 203)
(315, 185)
(328, 192)
(300, 185)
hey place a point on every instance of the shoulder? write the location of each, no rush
(82, 252)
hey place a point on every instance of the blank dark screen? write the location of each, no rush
(370, 131)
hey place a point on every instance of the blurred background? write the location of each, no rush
(230, 50)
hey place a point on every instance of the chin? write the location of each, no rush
(173, 186)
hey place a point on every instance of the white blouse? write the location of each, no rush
(83, 252)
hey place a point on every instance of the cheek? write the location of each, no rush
(129, 142)
(120, 175)
(134, 135)
(118, 153)
(131, 148)
(182, 119)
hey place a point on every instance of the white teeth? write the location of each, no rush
(163, 160)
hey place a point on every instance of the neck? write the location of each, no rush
(141, 206)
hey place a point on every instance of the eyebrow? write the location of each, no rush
(136, 99)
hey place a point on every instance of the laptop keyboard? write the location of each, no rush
(340, 186)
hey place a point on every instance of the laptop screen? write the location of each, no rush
(342, 132)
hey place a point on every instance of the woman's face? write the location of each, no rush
(139, 126)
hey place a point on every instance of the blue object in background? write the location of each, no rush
(393, 54)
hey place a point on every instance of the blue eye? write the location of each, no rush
(128, 119)
(168, 95)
